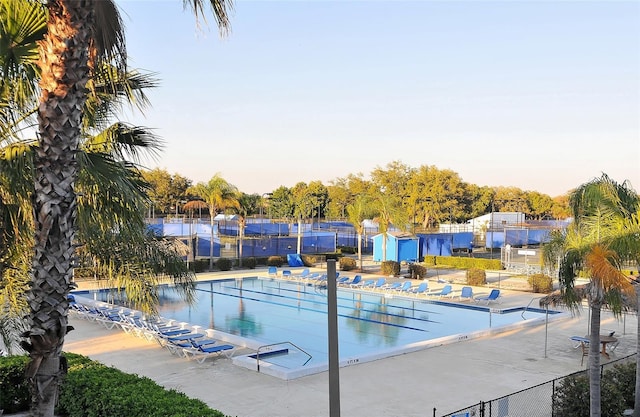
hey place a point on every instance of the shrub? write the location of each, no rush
(476, 277)
(309, 260)
(541, 283)
(275, 261)
(13, 386)
(571, 398)
(199, 265)
(348, 249)
(250, 263)
(418, 271)
(224, 264)
(347, 264)
(390, 268)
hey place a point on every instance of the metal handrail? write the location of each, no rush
(281, 343)
(528, 305)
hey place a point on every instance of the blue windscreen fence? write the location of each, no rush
(285, 245)
(517, 237)
(443, 244)
(261, 229)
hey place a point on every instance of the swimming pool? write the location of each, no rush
(256, 311)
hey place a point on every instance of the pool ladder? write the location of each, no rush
(277, 344)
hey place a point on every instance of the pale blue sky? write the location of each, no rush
(541, 95)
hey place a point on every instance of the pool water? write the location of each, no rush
(271, 311)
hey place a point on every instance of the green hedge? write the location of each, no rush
(466, 263)
(92, 390)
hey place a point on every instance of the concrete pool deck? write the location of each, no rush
(447, 378)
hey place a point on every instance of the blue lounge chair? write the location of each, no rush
(355, 281)
(445, 291)
(201, 353)
(342, 280)
(365, 284)
(406, 287)
(286, 273)
(466, 294)
(314, 276)
(273, 271)
(379, 283)
(392, 286)
(578, 340)
(421, 289)
(177, 347)
(304, 274)
(493, 296)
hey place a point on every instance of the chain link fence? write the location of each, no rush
(536, 401)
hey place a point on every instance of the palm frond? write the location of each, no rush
(111, 89)
(109, 34)
(125, 142)
(220, 9)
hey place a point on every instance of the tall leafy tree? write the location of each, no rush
(80, 33)
(603, 232)
(281, 204)
(166, 190)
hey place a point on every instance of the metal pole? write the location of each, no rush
(546, 330)
(332, 317)
(491, 226)
(299, 235)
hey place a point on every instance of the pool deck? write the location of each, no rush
(447, 378)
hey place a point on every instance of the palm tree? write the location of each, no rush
(389, 211)
(80, 34)
(357, 212)
(219, 195)
(600, 235)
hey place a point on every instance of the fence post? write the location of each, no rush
(553, 398)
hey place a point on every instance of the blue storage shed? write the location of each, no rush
(400, 247)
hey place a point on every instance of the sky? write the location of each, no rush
(539, 95)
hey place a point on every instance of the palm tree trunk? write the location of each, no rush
(594, 360)
(64, 58)
(211, 246)
(360, 250)
(384, 246)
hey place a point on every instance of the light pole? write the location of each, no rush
(264, 196)
(491, 225)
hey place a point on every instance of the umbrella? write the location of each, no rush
(195, 205)
(178, 246)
